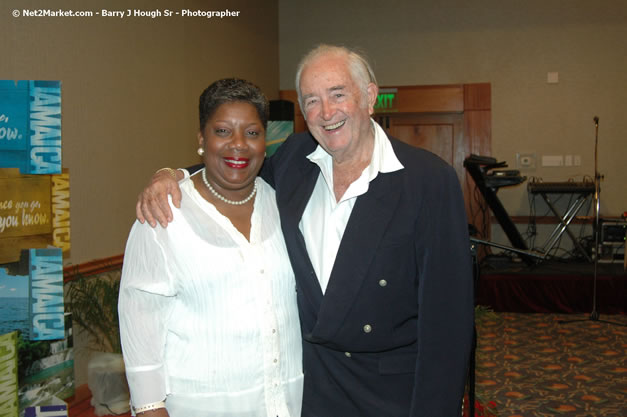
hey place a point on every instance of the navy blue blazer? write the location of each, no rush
(391, 336)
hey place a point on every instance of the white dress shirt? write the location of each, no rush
(324, 219)
(208, 318)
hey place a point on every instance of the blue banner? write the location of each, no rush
(46, 411)
(30, 126)
(46, 294)
(277, 132)
(8, 375)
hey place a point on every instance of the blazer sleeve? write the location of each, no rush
(194, 168)
(270, 167)
(292, 153)
(445, 300)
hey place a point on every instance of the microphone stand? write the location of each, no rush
(594, 315)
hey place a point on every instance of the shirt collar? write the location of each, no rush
(383, 159)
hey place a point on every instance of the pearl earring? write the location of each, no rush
(201, 151)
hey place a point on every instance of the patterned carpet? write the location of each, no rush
(531, 365)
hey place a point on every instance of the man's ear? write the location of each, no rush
(373, 92)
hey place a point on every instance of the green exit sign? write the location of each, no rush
(386, 100)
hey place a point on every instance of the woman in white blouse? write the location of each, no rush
(208, 314)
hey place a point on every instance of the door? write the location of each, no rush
(442, 134)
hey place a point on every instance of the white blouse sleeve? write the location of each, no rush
(145, 301)
(185, 173)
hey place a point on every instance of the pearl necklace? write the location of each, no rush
(223, 198)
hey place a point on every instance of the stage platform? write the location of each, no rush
(551, 287)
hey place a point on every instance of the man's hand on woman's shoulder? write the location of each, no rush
(152, 203)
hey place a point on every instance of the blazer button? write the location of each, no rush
(348, 354)
(383, 283)
(367, 328)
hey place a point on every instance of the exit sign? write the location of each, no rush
(386, 100)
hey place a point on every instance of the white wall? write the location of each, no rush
(130, 92)
(512, 45)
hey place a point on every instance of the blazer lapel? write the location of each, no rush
(292, 203)
(364, 231)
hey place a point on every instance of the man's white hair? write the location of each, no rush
(359, 67)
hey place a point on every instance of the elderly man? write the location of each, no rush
(377, 237)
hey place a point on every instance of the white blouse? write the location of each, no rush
(209, 319)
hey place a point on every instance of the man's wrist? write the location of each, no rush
(170, 171)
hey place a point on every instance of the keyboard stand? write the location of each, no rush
(477, 166)
(564, 222)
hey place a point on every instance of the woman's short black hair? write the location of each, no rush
(230, 90)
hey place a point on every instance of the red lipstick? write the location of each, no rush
(236, 163)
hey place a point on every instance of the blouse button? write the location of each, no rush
(367, 328)
(347, 354)
(383, 283)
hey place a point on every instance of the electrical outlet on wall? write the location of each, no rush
(568, 160)
(552, 160)
(526, 160)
